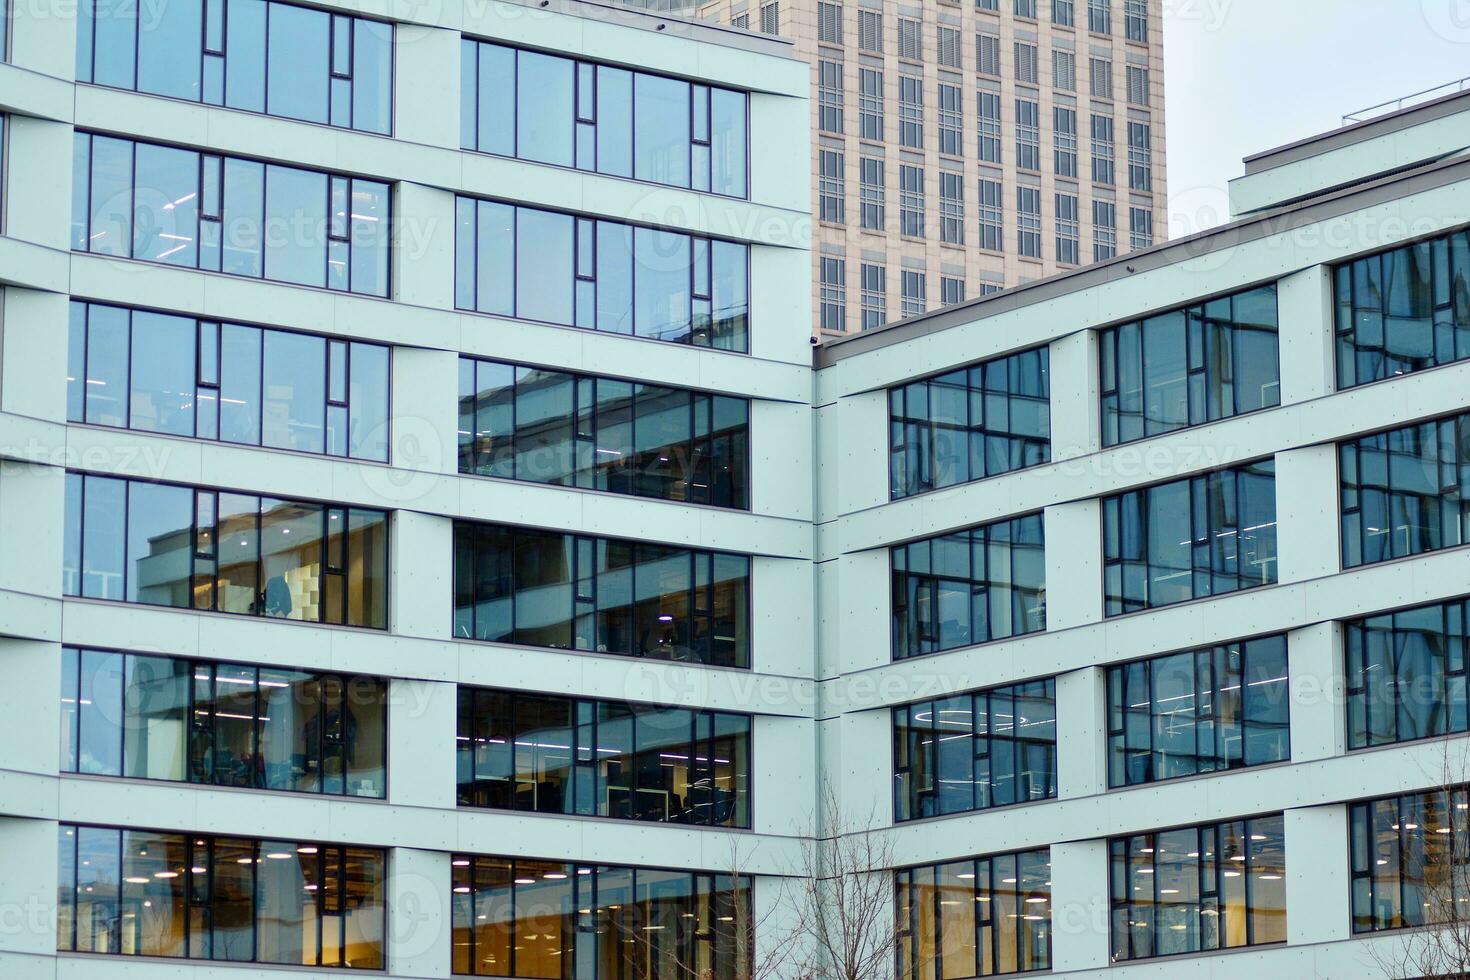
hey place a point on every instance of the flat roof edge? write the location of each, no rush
(1257, 226)
(1336, 139)
(674, 25)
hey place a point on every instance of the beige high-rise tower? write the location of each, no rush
(962, 146)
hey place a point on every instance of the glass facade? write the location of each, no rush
(1403, 310)
(1406, 674)
(577, 430)
(980, 917)
(557, 268)
(159, 893)
(550, 920)
(1199, 711)
(159, 372)
(1190, 366)
(972, 586)
(542, 107)
(987, 419)
(1187, 539)
(975, 750)
(199, 548)
(257, 55)
(1401, 491)
(1409, 859)
(573, 592)
(180, 207)
(548, 754)
(1196, 889)
(145, 716)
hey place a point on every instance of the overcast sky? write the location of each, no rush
(1246, 75)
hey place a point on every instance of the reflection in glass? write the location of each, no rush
(153, 893)
(542, 588)
(971, 423)
(1198, 711)
(1200, 536)
(312, 65)
(1403, 310)
(986, 583)
(1408, 859)
(157, 372)
(978, 917)
(551, 754)
(1190, 366)
(599, 433)
(518, 917)
(1401, 491)
(610, 120)
(600, 275)
(1216, 886)
(975, 751)
(1405, 674)
(204, 549)
(154, 203)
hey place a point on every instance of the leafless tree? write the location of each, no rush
(1440, 948)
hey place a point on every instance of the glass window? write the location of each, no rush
(547, 589)
(1401, 491)
(603, 758)
(206, 380)
(967, 424)
(575, 430)
(518, 917)
(976, 750)
(978, 917)
(601, 275)
(1405, 674)
(1216, 886)
(1201, 536)
(201, 548)
(596, 117)
(1403, 310)
(1198, 711)
(1407, 857)
(180, 207)
(259, 56)
(151, 893)
(973, 586)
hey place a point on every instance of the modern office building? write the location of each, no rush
(429, 549)
(963, 147)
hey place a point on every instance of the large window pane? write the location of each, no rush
(293, 391)
(166, 205)
(661, 143)
(162, 375)
(155, 729)
(544, 286)
(544, 108)
(164, 34)
(160, 545)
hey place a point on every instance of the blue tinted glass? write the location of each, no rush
(76, 361)
(243, 219)
(293, 391)
(728, 142)
(614, 121)
(81, 182)
(166, 205)
(372, 76)
(661, 283)
(544, 284)
(114, 46)
(85, 20)
(160, 544)
(297, 74)
(245, 66)
(168, 41)
(544, 108)
(239, 388)
(730, 295)
(367, 401)
(661, 143)
(614, 277)
(295, 246)
(468, 72)
(497, 99)
(369, 230)
(102, 537)
(111, 200)
(495, 259)
(107, 366)
(162, 379)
